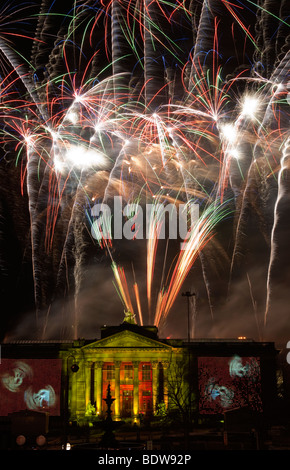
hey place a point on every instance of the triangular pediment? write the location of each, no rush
(127, 339)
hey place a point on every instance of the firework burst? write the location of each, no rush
(154, 102)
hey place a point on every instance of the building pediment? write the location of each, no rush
(127, 339)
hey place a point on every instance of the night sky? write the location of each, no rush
(191, 63)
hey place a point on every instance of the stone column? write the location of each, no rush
(88, 372)
(165, 365)
(99, 384)
(136, 389)
(155, 370)
(117, 389)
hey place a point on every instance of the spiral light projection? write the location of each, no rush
(170, 102)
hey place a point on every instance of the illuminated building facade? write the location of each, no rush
(132, 363)
(71, 378)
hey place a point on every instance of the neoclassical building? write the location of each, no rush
(129, 358)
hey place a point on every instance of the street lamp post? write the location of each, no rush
(188, 294)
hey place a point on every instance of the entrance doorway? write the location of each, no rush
(127, 403)
(146, 402)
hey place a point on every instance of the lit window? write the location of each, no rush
(146, 372)
(110, 372)
(128, 371)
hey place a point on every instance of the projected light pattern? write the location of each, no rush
(32, 384)
(215, 391)
(13, 380)
(239, 369)
(226, 383)
(43, 399)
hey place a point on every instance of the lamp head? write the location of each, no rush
(74, 367)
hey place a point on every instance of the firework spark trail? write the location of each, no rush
(138, 301)
(198, 236)
(32, 162)
(152, 242)
(270, 134)
(282, 190)
(148, 68)
(122, 285)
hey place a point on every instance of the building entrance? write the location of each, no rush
(127, 403)
(146, 403)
